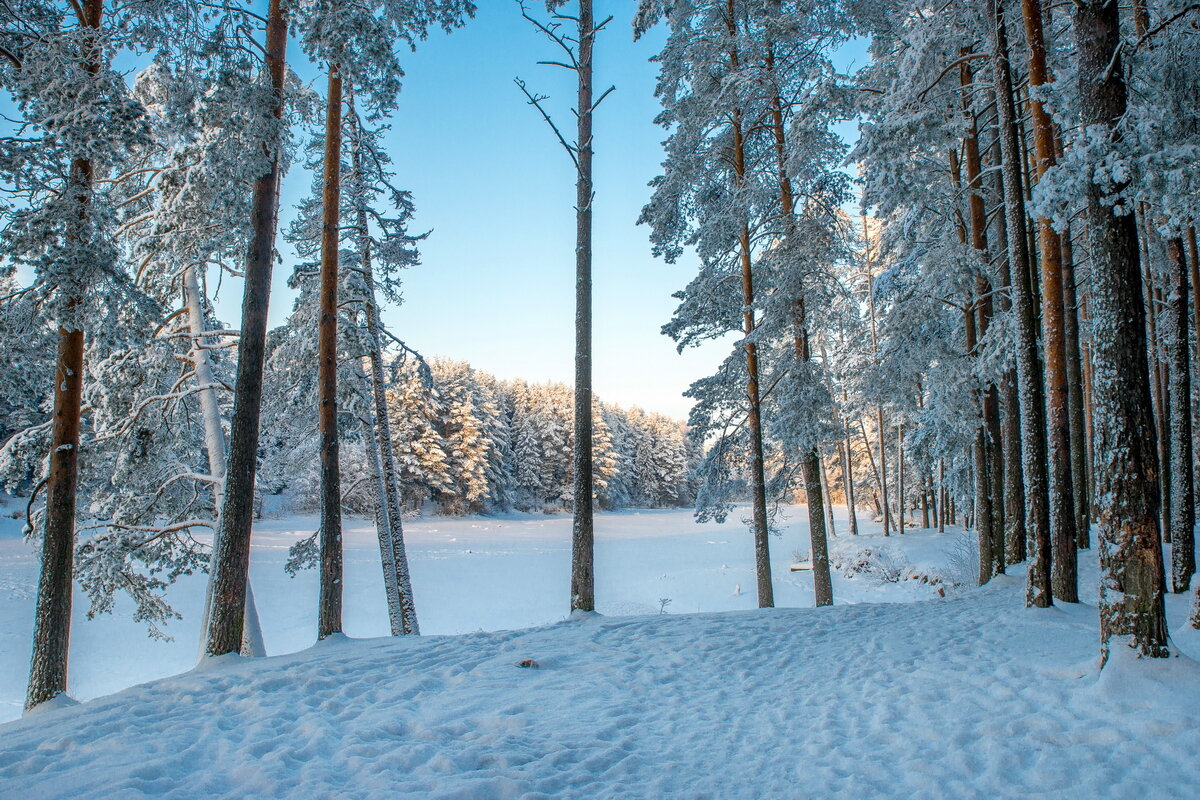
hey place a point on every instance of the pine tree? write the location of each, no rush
(231, 561)
(1131, 582)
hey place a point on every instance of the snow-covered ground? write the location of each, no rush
(469, 574)
(968, 696)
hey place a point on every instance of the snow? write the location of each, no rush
(469, 573)
(971, 695)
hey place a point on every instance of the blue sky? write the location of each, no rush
(496, 284)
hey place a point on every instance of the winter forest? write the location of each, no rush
(941, 258)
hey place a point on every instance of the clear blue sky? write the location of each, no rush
(496, 284)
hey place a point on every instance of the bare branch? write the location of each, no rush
(536, 102)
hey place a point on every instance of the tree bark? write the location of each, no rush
(389, 525)
(848, 484)
(900, 509)
(214, 447)
(583, 580)
(1079, 482)
(329, 615)
(52, 616)
(232, 545)
(811, 466)
(993, 479)
(882, 474)
(762, 553)
(1011, 549)
(1058, 426)
(828, 499)
(1183, 509)
(941, 503)
(1029, 375)
(1131, 580)
(52, 612)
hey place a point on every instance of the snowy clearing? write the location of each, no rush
(470, 574)
(972, 695)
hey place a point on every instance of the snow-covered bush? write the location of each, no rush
(884, 564)
(962, 561)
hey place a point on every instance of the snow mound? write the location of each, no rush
(972, 696)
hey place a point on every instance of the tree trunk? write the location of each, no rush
(1088, 415)
(983, 499)
(925, 505)
(52, 620)
(389, 525)
(829, 522)
(583, 579)
(1131, 580)
(1158, 391)
(862, 427)
(848, 484)
(887, 513)
(1183, 509)
(992, 481)
(762, 553)
(941, 503)
(1058, 424)
(1079, 481)
(214, 447)
(882, 474)
(52, 612)
(1029, 374)
(900, 510)
(329, 616)
(232, 546)
(811, 459)
(981, 463)
(1010, 547)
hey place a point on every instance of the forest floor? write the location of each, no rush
(893, 692)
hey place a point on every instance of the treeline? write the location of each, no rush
(466, 442)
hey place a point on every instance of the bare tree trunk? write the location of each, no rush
(1058, 425)
(1158, 390)
(981, 463)
(941, 504)
(825, 495)
(812, 468)
(846, 453)
(925, 504)
(1079, 483)
(52, 612)
(887, 512)
(983, 499)
(1131, 580)
(329, 616)
(992, 479)
(1088, 415)
(583, 579)
(214, 447)
(1010, 548)
(862, 427)
(1029, 374)
(810, 462)
(1183, 509)
(232, 546)
(883, 488)
(397, 583)
(848, 484)
(762, 553)
(900, 509)
(52, 617)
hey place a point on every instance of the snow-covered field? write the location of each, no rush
(469, 574)
(968, 696)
